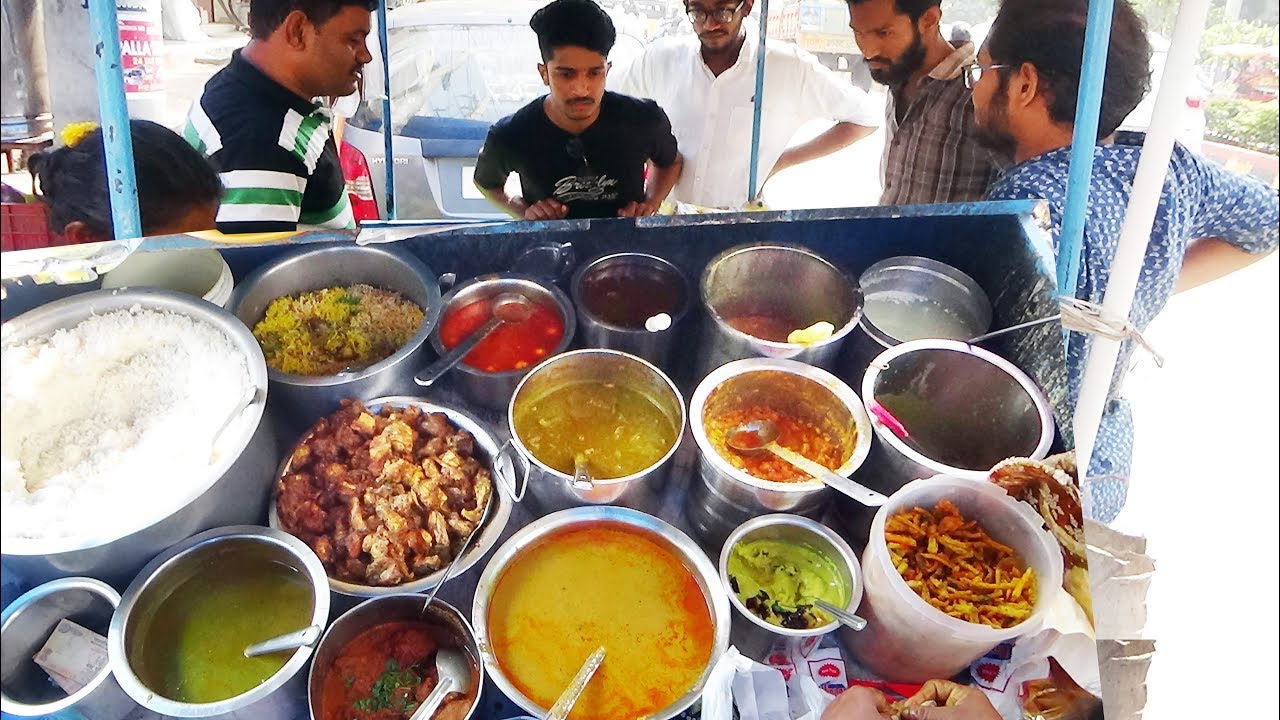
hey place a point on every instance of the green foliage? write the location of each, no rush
(1245, 123)
(1238, 32)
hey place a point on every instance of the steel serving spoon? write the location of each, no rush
(761, 436)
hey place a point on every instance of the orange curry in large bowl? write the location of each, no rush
(607, 584)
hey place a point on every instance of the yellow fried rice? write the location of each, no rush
(323, 332)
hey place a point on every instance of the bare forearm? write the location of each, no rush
(513, 206)
(1208, 259)
(663, 180)
(837, 137)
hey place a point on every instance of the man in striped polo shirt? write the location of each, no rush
(260, 124)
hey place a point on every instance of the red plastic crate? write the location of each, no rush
(25, 226)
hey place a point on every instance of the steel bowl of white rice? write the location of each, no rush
(132, 419)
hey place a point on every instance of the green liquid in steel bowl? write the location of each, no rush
(191, 648)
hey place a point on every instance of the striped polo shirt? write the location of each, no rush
(273, 150)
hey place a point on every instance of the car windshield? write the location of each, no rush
(473, 72)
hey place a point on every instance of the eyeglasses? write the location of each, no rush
(973, 73)
(720, 15)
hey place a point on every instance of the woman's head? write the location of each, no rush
(178, 191)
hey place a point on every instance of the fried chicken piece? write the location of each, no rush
(461, 527)
(439, 528)
(461, 442)
(394, 440)
(436, 425)
(323, 548)
(483, 488)
(301, 456)
(364, 424)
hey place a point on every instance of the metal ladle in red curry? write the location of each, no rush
(508, 307)
(760, 436)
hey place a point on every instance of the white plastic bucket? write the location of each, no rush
(908, 640)
(202, 273)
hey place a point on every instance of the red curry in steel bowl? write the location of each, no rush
(378, 661)
(512, 346)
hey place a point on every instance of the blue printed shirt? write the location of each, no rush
(1199, 200)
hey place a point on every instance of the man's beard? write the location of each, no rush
(900, 70)
(992, 131)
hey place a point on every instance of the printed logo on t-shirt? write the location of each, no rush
(575, 188)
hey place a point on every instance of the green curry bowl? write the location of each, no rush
(177, 640)
(773, 568)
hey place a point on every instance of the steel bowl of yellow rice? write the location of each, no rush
(339, 321)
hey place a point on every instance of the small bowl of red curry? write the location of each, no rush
(488, 375)
(377, 661)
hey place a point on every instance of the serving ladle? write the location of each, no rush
(288, 641)
(453, 675)
(844, 616)
(564, 704)
(508, 307)
(761, 436)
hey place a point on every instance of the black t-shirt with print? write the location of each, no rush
(595, 173)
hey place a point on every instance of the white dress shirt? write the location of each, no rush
(712, 116)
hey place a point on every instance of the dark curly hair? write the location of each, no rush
(267, 15)
(573, 23)
(1049, 34)
(173, 178)
(911, 8)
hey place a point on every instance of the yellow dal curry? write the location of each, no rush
(605, 585)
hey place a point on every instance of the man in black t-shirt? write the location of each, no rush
(580, 152)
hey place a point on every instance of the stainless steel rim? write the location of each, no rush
(562, 301)
(849, 558)
(492, 528)
(431, 316)
(1028, 386)
(717, 603)
(575, 288)
(118, 652)
(842, 392)
(564, 477)
(837, 336)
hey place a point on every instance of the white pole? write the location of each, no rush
(1135, 234)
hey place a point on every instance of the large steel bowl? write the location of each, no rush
(506, 493)
(329, 266)
(279, 697)
(235, 490)
(388, 609)
(665, 535)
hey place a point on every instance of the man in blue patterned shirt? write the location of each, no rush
(1209, 223)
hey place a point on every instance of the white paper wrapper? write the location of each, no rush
(1120, 574)
(761, 692)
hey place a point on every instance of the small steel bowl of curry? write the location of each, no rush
(489, 374)
(378, 660)
(817, 415)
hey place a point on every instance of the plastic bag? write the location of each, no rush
(760, 692)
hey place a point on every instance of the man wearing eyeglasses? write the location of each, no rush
(580, 152)
(707, 86)
(1209, 222)
(931, 153)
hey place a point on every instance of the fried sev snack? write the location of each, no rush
(953, 565)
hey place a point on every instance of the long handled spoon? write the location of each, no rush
(453, 675)
(507, 308)
(288, 641)
(761, 436)
(844, 616)
(560, 711)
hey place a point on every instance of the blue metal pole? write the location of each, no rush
(388, 153)
(114, 115)
(1097, 37)
(758, 105)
